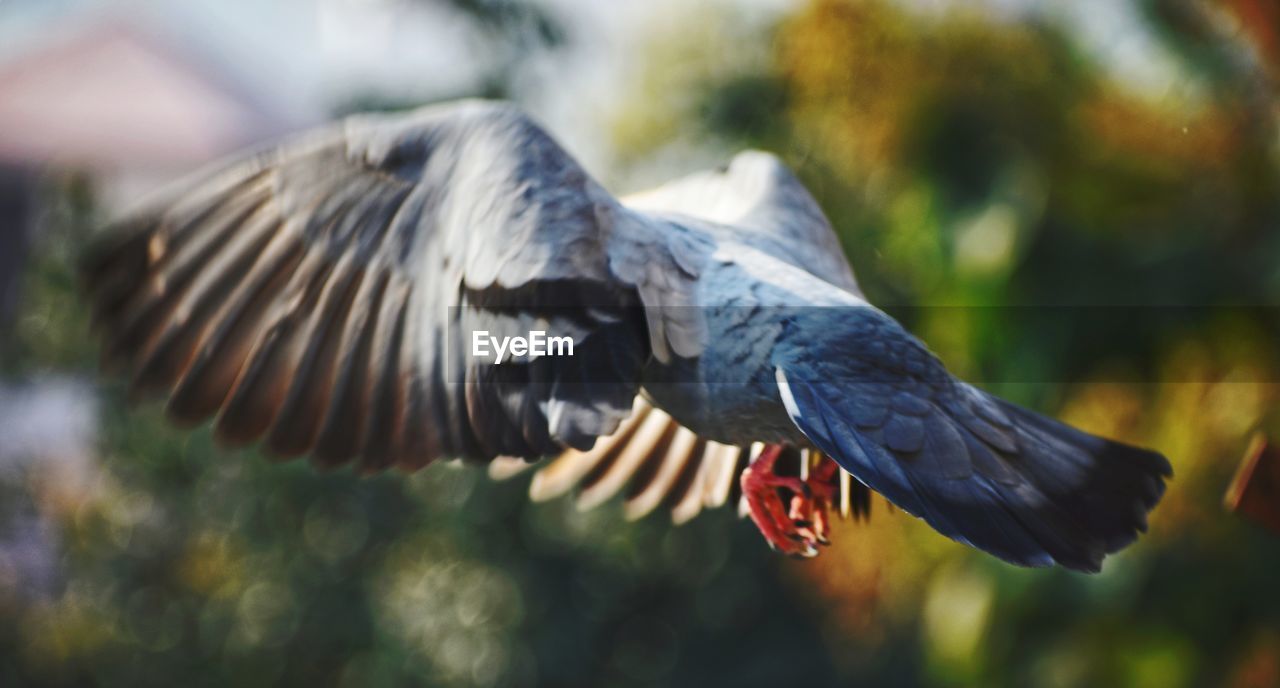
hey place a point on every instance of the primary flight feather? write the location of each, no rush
(320, 298)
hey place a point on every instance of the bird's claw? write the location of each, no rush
(811, 513)
(800, 530)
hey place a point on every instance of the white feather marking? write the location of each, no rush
(846, 486)
(784, 388)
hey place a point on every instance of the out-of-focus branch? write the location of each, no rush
(1255, 490)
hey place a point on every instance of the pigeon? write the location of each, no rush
(372, 293)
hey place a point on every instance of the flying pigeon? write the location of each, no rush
(329, 297)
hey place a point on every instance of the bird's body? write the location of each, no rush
(767, 250)
(728, 392)
(318, 297)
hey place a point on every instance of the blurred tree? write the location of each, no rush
(513, 30)
(508, 33)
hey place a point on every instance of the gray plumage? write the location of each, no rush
(314, 297)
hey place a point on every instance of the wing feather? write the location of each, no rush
(643, 496)
(221, 355)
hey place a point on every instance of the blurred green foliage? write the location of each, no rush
(966, 160)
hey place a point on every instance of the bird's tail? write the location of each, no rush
(1026, 488)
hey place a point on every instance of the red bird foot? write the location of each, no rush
(797, 532)
(811, 513)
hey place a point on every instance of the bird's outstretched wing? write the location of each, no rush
(317, 295)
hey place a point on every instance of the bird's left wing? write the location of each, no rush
(760, 201)
(317, 295)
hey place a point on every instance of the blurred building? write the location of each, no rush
(131, 103)
(117, 94)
